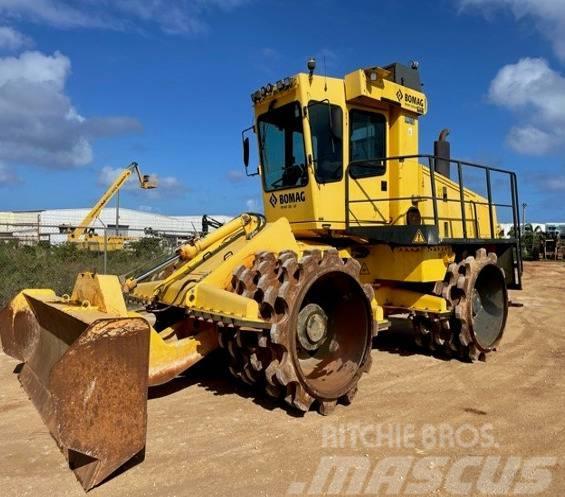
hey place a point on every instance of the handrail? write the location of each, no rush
(460, 165)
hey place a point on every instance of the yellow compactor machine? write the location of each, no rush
(357, 227)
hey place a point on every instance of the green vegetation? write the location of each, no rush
(56, 267)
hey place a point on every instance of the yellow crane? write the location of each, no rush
(85, 236)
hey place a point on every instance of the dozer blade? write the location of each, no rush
(86, 374)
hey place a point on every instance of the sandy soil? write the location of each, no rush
(208, 436)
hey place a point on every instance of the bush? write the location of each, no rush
(57, 266)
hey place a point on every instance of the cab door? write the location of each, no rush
(367, 185)
(326, 129)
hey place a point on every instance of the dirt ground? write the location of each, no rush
(208, 436)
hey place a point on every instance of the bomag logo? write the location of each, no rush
(287, 199)
(411, 100)
(414, 100)
(292, 198)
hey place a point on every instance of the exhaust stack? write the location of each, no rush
(442, 152)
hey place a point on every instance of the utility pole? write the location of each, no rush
(117, 212)
(524, 205)
(105, 259)
(105, 250)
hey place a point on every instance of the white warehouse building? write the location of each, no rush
(49, 225)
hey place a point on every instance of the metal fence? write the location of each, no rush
(99, 241)
(58, 233)
(40, 255)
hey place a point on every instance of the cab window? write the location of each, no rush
(367, 144)
(281, 144)
(327, 141)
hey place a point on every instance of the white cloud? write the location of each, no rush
(555, 184)
(270, 53)
(168, 184)
(531, 82)
(38, 123)
(549, 16)
(108, 175)
(530, 140)
(10, 39)
(536, 92)
(35, 67)
(54, 12)
(531, 88)
(251, 204)
(235, 176)
(7, 176)
(172, 16)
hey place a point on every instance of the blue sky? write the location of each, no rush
(88, 86)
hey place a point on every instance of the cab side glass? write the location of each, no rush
(326, 128)
(367, 144)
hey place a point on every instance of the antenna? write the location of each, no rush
(325, 75)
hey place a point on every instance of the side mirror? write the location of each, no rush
(245, 141)
(246, 152)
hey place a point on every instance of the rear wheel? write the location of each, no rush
(319, 343)
(480, 303)
(475, 290)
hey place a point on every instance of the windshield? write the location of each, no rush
(281, 143)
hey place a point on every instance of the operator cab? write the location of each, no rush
(339, 157)
(311, 129)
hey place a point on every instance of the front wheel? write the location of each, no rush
(319, 343)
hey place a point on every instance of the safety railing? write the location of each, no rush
(460, 168)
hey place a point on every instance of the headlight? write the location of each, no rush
(256, 96)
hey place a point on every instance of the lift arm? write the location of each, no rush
(144, 182)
